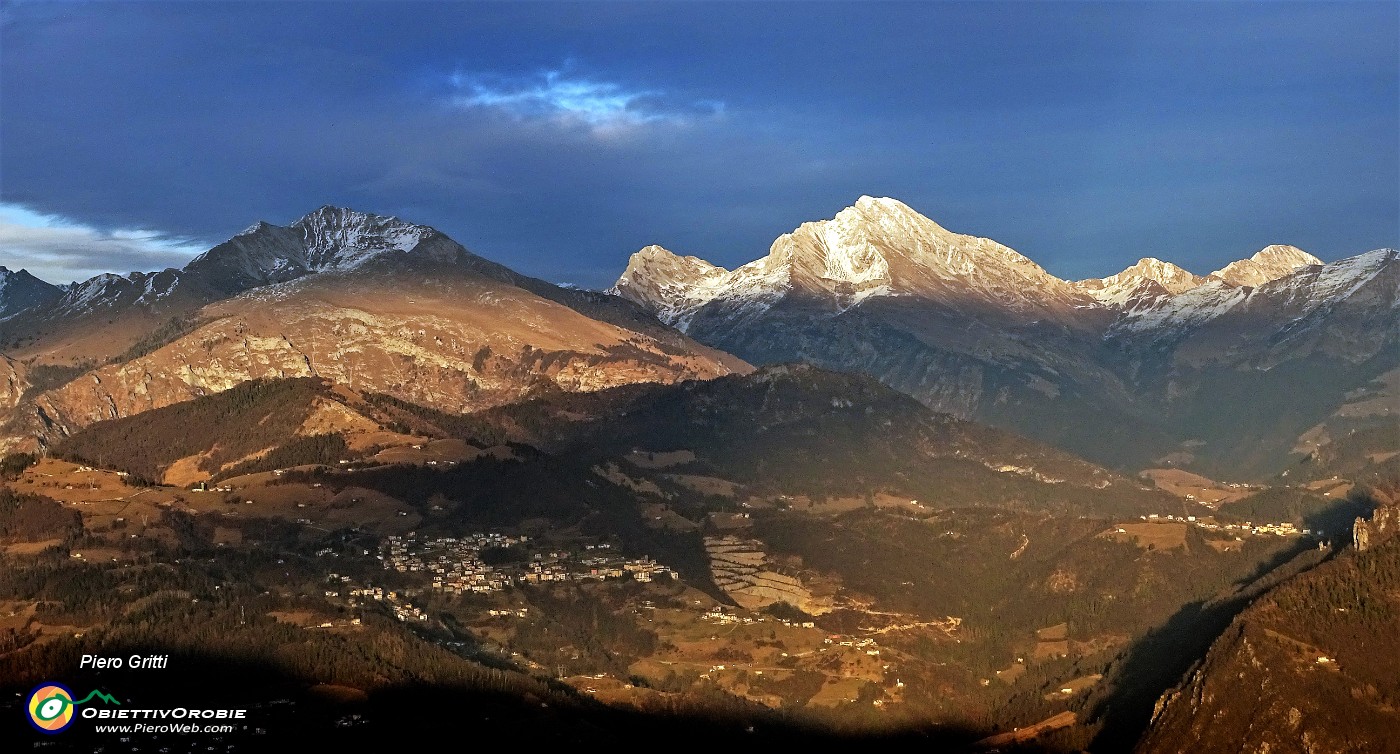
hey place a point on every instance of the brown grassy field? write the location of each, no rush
(1195, 487)
(706, 485)
(1334, 488)
(420, 452)
(109, 505)
(1150, 536)
(30, 548)
(16, 615)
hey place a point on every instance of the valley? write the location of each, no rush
(943, 497)
(551, 569)
(954, 377)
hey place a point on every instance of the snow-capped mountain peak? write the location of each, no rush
(875, 248)
(11, 278)
(254, 228)
(1166, 274)
(20, 290)
(328, 239)
(1270, 263)
(879, 238)
(672, 286)
(1304, 291)
(1141, 284)
(338, 238)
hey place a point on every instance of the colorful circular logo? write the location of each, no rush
(51, 708)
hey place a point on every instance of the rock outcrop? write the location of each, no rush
(1383, 524)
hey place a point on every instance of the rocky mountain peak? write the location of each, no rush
(1172, 277)
(328, 239)
(887, 212)
(655, 269)
(337, 237)
(875, 248)
(881, 247)
(884, 228)
(331, 217)
(254, 228)
(10, 277)
(661, 263)
(1144, 283)
(1270, 263)
(20, 290)
(670, 285)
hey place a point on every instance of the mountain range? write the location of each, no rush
(372, 302)
(1238, 373)
(888, 479)
(1151, 366)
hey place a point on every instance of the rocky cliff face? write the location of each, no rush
(1382, 526)
(673, 286)
(13, 382)
(1151, 366)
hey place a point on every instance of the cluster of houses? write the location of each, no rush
(868, 645)
(1248, 527)
(406, 612)
(354, 595)
(456, 566)
(1279, 530)
(122, 474)
(718, 614)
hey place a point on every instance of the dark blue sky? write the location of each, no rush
(560, 138)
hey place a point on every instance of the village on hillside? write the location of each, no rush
(456, 564)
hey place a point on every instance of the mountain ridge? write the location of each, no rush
(365, 300)
(857, 261)
(20, 290)
(856, 255)
(971, 327)
(1273, 680)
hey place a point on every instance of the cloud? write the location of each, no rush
(557, 97)
(59, 250)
